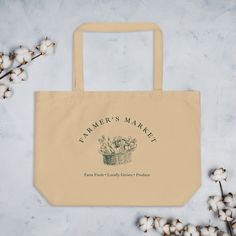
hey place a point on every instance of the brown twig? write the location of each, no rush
(20, 65)
(221, 190)
(228, 224)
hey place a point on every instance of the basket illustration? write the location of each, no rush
(118, 150)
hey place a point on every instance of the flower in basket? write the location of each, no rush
(117, 150)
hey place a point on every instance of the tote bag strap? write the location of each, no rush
(117, 27)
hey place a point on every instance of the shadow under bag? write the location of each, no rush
(138, 148)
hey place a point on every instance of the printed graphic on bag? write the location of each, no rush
(118, 150)
(117, 119)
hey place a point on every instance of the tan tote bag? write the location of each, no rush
(136, 148)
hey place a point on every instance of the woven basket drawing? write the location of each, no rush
(118, 158)
(116, 150)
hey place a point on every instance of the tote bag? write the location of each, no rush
(136, 148)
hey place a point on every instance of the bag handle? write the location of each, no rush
(117, 27)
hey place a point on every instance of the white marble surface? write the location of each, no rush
(200, 53)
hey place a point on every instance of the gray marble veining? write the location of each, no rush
(200, 54)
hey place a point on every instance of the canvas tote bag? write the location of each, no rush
(137, 148)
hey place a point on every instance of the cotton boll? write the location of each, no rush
(213, 230)
(17, 75)
(215, 203)
(219, 174)
(46, 46)
(176, 227)
(5, 61)
(226, 215)
(204, 231)
(230, 200)
(159, 223)
(5, 91)
(23, 55)
(166, 229)
(178, 224)
(8, 93)
(209, 231)
(146, 223)
(191, 230)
